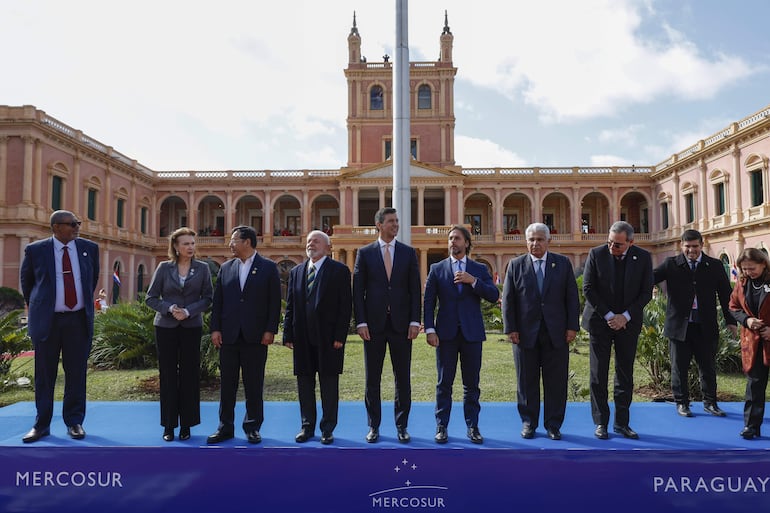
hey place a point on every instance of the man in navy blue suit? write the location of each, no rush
(617, 283)
(458, 284)
(541, 311)
(386, 296)
(244, 320)
(58, 278)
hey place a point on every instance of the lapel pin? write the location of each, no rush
(634, 257)
(553, 264)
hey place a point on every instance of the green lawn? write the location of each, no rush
(498, 377)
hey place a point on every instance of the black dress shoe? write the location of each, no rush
(554, 434)
(76, 432)
(35, 434)
(683, 410)
(750, 433)
(373, 435)
(253, 437)
(713, 409)
(601, 432)
(219, 436)
(303, 436)
(626, 431)
(403, 435)
(441, 436)
(327, 438)
(184, 433)
(527, 432)
(168, 434)
(475, 436)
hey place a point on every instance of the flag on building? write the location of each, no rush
(116, 277)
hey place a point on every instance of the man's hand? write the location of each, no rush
(571, 334)
(363, 332)
(413, 332)
(216, 339)
(432, 339)
(513, 337)
(618, 322)
(267, 338)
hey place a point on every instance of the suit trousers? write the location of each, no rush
(248, 360)
(68, 337)
(329, 385)
(554, 364)
(602, 339)
(470, 366)
(756, 387)
(704, 351)
(179, 362)
(401, 359)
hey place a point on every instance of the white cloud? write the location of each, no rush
(580, 60)
(609, 161)
(626, 135)
(472, 152)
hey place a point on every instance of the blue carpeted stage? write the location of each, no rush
(123, 465)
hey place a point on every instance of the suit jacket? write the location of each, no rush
(38, 283)
(751, 342)
(165, 290)
(329, 310)
(709, 282)
(457, 310)
(373, 294)
(525, 308)
(251, 311)
(599, 286)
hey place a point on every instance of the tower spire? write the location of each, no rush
(354, 29)
(446, 23)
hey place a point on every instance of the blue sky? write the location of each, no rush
(239, 84)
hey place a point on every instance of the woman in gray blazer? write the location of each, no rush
(180, 292)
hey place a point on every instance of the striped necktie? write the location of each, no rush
(310, 278)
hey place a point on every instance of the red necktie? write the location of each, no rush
(70, 296)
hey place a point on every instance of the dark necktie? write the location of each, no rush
(310, 278)
(693, 264)
(540, 275)
(459, 269)
(70, 296)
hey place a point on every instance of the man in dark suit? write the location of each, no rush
(315, 326)
(541, 311)
(458, 284)
(244, 320)
(58, 278)
(617, 284)
(694, 281)
(386, 295)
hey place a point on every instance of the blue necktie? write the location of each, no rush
(459, 269)
(540, 275)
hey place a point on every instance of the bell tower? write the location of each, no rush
(370, 105)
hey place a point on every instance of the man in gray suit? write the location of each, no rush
(541, 311)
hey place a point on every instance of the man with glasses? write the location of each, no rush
(244, 321)
(617, 284)
(58, 278)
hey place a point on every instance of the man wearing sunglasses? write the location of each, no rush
(58, 278)
(617, 283)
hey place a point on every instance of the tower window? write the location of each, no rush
(375, 98)
(424, 97)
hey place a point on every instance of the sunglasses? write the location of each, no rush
(73, 224)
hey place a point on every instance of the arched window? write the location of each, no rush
(140, 279)
(424, 97)
(376, 98)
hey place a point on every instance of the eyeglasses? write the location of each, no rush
(73, 224)
(615, 244)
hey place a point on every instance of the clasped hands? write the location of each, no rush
(759, 325)
(617, 322)
(179, 314)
